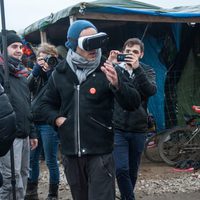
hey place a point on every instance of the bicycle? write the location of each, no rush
(151, 151)
(181, 143)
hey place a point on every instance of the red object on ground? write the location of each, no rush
(191, 169)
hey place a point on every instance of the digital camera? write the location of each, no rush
(92, 42)
(121, 57)
(52, 61)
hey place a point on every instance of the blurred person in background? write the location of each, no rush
(47, 136)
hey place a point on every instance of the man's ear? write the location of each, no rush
(141, 56)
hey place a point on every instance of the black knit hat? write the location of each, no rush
(12, 37)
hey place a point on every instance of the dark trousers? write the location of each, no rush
(48, 139)
(91, 177)
(127, 153)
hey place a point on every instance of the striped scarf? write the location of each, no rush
(16, 68)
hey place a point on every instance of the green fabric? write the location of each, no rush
(65, 13)
(188, 88)
(92, 5)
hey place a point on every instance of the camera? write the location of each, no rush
(121, 57)
(92, 42)
(52, 61)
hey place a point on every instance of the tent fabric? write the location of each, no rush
(176, 29)
(188, 90)
(118, 7)
(153, 44)
(156, 102)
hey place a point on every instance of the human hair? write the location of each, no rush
(48, 49)
(133, 41)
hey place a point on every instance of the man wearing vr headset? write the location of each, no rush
(79, 102)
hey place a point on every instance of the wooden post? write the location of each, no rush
(72, 18)
(43, 36)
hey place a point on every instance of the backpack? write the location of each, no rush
(7, 123)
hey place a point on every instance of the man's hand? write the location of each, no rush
(33, 143)
(40, 61)
(60, 120)
(113, 56)
(132, 61)
(110, 73)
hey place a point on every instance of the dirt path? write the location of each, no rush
(150, 173)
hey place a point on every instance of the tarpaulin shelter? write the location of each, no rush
(168, 35)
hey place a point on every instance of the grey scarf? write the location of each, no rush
(81, 66)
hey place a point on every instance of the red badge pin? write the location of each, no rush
(92, 90)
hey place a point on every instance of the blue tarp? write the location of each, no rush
(153, 45)
(178, 13)
(156, 103)
(116, 7)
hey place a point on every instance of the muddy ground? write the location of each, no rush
(149, 172)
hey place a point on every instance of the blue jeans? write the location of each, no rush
(48, 138)
(127, 154)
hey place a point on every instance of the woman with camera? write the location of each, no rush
(47, 59)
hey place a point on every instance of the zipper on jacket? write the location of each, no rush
(78, 121)
(101, 124)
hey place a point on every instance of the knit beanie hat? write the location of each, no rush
(74, 32)
(12, 37)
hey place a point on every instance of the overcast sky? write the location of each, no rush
(21, 13)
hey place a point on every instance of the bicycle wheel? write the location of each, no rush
(172, 145)
(151, 151)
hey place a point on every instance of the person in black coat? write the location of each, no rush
(7, 116)
(131, 126)
(79, 102)
(7, 123)
(47, 59)
(19, 96)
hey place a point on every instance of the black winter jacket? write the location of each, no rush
(143, 78)
(88, 108)
(19, 96)
(37, 86)
(7, 123)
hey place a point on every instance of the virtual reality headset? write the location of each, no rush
(92, 42)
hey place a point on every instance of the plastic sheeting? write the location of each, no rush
(188, 87)
(156, 102)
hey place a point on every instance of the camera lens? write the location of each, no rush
(51, 61)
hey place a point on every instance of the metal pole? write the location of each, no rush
(4, 43)
(7, 90)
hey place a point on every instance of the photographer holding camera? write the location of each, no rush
(47, 136)
(131, 126)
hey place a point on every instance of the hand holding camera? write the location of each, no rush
(132, 60)
(47, 63)
(113, 56)
(41, 62)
